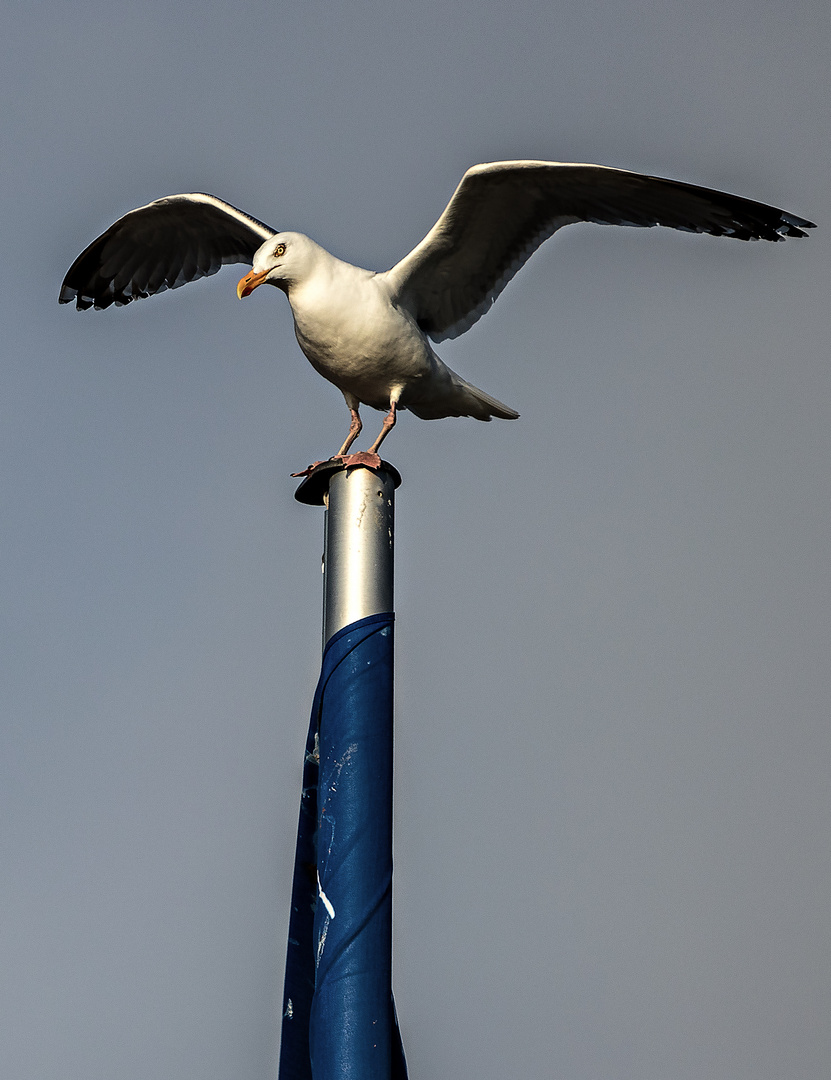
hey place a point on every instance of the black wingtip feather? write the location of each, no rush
(161, 246)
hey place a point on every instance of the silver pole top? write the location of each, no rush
(358, 544)
(314, 488)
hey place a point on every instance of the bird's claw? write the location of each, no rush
(364, 457)
(309, 469)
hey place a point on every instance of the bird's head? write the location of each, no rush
(283, 260)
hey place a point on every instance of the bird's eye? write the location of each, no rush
(280, 249)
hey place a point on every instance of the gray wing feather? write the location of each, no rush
(501, 212)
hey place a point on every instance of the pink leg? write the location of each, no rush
(354, 432)
(389, 424)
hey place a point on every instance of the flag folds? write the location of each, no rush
(338, 1012)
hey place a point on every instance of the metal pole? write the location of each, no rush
(358, 539)
(358, 547)
(339, 1018)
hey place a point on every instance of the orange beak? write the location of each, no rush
(249, 283)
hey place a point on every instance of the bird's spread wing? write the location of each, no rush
(161, 246)
(501, 212)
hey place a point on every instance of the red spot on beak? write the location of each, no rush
(250, 282)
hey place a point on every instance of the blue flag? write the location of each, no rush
(339, 1018)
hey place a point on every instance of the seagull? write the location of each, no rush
(370, 333)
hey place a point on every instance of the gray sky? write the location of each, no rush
(612, 803)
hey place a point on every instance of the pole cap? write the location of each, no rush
(314, 486)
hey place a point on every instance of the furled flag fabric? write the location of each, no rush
(338, 1013)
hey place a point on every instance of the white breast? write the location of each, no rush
(353, 334)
